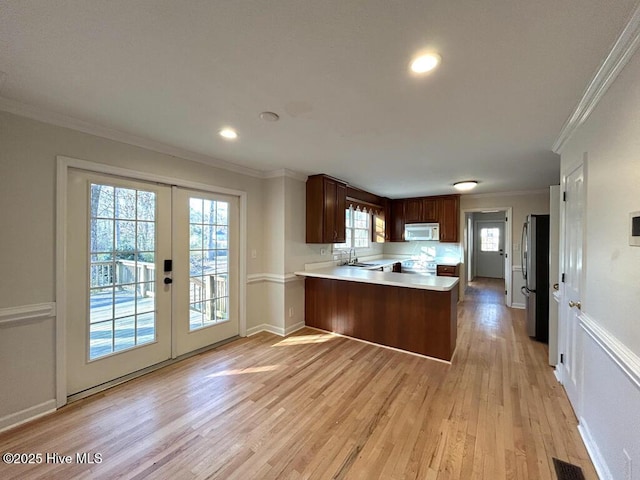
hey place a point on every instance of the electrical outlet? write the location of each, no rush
(323, 251)
(290, 312)
(254, 253)
(628, 474)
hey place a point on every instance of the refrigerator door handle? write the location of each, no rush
(523, 252)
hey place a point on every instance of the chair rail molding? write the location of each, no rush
(26, 313)
(621, 355)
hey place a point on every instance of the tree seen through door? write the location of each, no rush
(209, 262)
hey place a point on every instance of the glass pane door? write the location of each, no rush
(205, 270)
(118, 307)
(208, 262)
(122, 269)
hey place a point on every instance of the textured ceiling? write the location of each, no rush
(336, 71)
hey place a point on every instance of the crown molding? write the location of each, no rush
(285, 172)
(620, 54)
(505, 194)
(61, 120)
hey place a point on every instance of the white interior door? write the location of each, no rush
(571, 365)
(489, 247)
(118, 307)
(205, 269)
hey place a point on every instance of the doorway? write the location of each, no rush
(487, 252)
(151, 273)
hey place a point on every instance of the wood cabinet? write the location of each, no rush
(449, 217)
(413, 210)
(397, 220)
(430, 209)
(448, 270)
(370, 312)
(326, 205)
(444, 210)
(327, 202)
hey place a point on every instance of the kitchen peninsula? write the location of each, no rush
(409, 312)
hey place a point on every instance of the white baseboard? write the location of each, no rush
(265, 327)
(520, 306)
(28, 414)
(594, 452)
(294, 328)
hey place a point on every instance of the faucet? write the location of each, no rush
(355, 259)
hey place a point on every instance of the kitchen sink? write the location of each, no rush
(360, 264)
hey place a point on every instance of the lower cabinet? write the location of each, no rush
(448, 270)
(412, 319)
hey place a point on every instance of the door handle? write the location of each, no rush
(575, 304)
(168, 280)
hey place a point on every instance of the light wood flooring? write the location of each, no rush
(314, 405)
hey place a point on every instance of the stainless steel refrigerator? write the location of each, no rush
(535, 270)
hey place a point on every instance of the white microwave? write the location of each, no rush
(422, 231)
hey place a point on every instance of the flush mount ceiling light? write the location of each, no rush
(228, 133)
(425, 63)
(269, 116)
(465, 186)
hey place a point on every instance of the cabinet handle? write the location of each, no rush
(575, 304)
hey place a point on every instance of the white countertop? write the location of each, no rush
(363, 275)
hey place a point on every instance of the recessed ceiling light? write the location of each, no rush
(466, 185)
(269, 116)
(228, 133)
(425, 63)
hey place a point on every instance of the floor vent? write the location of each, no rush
(567, 471)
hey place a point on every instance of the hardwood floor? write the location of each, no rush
(314, 405)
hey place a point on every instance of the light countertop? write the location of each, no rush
(363, 275)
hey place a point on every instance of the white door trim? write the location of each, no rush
(508, 283)
(62, 170)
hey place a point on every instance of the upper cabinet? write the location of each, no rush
(444, 210)
(449, 218)
(326, 205)
(328, 197)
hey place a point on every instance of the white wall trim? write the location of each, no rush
(594, 452)
(28, 414)
(542, 191)
(63, 166)
(65, 121)
(26, 313)
(519, 306)
(273, 278)
(624, 358)
(282, 332)
(620, 54)
(265, 327)
(285, 172)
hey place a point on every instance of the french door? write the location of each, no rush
(205, 269)
(151, 274)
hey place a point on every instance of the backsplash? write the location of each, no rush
(448, 252)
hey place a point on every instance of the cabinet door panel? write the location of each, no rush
(448, 217)
(397, 217)
(340, 212)
(429, 210)
(413, 210)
